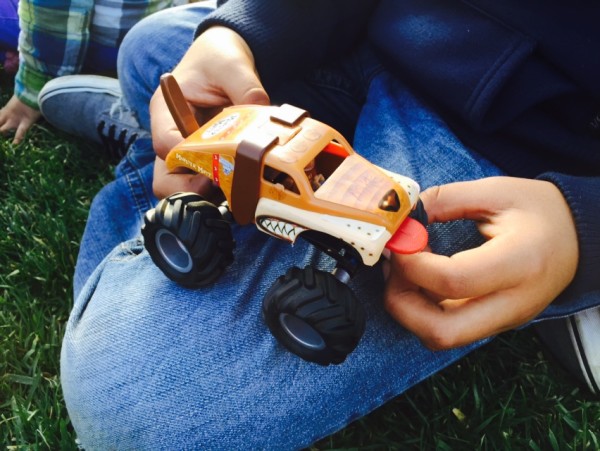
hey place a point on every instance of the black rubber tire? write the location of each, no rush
(188, 239)
(314, 315)
(420, 214)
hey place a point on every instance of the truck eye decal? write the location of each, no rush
(390, 201)
(279, 228)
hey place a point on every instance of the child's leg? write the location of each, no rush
(152, 47)
(147, 363)
(98, 112)
(101, 59)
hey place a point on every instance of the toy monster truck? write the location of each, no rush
(293, 177)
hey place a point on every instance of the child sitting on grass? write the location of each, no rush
(62, 38)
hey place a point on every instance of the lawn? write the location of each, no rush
(509, 395)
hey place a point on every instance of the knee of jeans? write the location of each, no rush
(135, 44)
(133, 72)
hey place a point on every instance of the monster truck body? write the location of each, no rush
(259, 156)
(293, 177)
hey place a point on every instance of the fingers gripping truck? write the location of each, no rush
(293, 177)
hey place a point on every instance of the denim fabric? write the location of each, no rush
(116, 212)
(153, 49)
(100, 59)
(9, 25)
(147, 364)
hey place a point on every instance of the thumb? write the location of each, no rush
(255, 96)
(247, 89)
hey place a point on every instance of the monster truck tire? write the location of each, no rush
(420, 214)
(314, 315)
(188, 239)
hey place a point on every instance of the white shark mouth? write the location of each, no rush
(279, 228)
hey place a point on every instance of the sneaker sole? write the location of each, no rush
(584, 328)
(97, 84)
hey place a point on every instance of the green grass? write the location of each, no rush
(505, 396)
(45, 189)
(508, 395)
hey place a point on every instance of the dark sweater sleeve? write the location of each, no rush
(288, 38)
(583, 196)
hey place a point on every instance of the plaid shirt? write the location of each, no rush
(55, 35)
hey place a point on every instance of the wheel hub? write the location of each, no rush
(301, 331)
(173, 251)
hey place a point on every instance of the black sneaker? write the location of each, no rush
(91, 107)
(575, 343)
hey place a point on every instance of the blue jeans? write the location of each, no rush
(147, 364)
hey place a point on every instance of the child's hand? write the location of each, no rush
(530, 257)
(18, 118)
(218, 70)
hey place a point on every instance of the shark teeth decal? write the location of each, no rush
(281, 229)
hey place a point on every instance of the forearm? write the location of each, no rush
(289, 38)
(52, 43)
